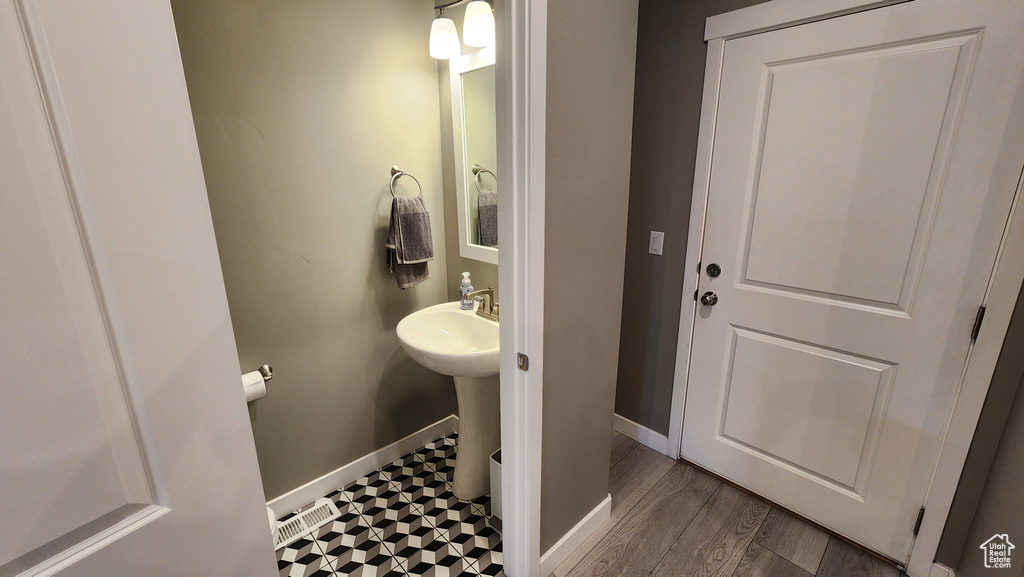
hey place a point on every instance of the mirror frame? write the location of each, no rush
(456, 68)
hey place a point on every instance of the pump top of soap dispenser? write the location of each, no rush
(465, 279)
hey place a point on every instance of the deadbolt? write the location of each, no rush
(714, 270)
(709, 299)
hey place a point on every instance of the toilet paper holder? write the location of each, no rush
(267, 371)
(254, 383)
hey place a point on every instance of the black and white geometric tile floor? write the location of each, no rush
(401, 520)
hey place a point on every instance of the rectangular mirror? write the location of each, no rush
(475, 138)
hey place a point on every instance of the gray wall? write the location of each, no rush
(301, 108)
(591, 55)
(984, 499)
(1001, 506)
(669, 85)
(482, 274)
(669, 82)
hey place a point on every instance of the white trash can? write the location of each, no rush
(496, 484)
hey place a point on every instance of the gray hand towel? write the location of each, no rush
(487, 214)
(409, 244)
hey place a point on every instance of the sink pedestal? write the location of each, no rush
(479, 434)
(449, 340)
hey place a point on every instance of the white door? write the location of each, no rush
(125, 447)
(863, 168)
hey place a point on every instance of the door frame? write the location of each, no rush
(521, 74)
(1001, 295)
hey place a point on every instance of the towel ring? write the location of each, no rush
(477, 171)
(397, 173)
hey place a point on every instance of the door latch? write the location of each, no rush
(523, 362)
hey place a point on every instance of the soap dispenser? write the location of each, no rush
(465, 300)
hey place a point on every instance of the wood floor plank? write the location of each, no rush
(631, 478)
(843, 560)
(647, 531)
(716, 540)
(621, 446)
(761, 562)
(793, 540)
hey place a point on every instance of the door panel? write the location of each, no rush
(125, 446)
(71, 427)
(70, 456)
(841, 399)
(862, 172)
(848, 147)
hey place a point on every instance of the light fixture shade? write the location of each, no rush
(478, 27)
(444, 39)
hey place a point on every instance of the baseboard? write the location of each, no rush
(642, 434)
(317, 488)
(940, 570)
(561, 550)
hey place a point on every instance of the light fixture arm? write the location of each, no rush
(441, 7)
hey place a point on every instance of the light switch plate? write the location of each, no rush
(657, 242)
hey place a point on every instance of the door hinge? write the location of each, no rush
(917, 525)
(523, 362)
(977, 323)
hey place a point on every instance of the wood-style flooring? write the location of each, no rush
(671, 520)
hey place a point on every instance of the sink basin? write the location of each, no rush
(448, 340)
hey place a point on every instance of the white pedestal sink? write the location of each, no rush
(448, 340)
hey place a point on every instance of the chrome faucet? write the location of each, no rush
(488, 308)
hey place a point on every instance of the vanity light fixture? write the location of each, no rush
(444, 38)
(477, 29)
